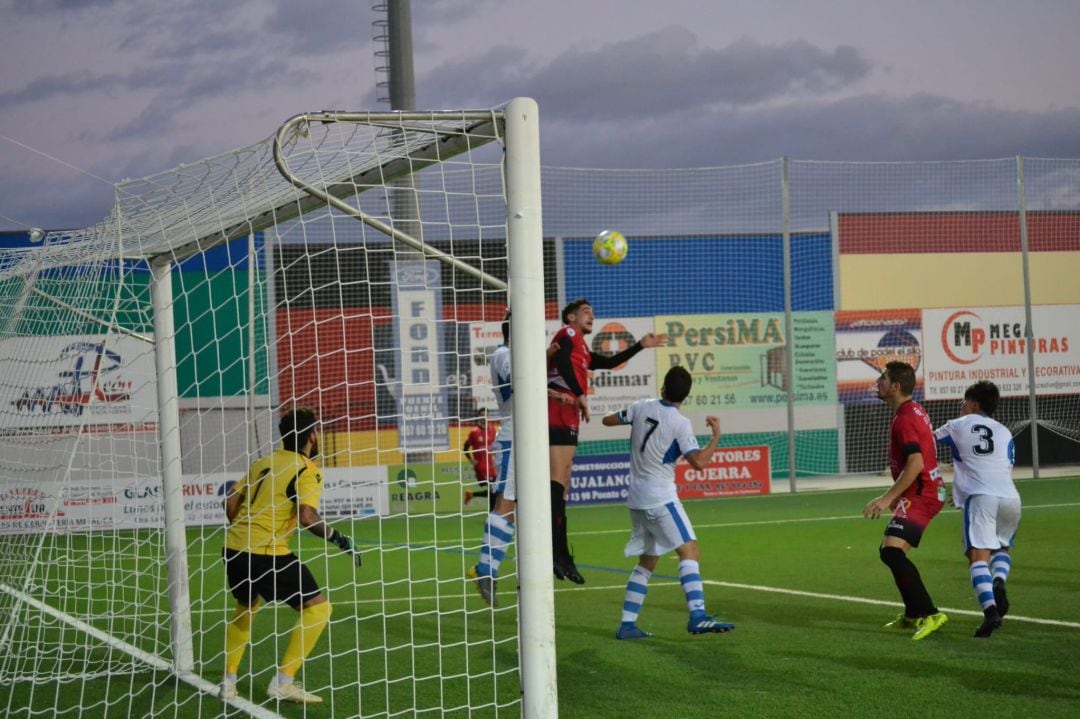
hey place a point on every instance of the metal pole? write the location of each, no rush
(172, 481)
(841, 420)
(402, 82)
(789, 348)
(1029, 330)
(540, 696)
(252, 424)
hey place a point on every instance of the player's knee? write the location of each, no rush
(892, 556)
(320, 611)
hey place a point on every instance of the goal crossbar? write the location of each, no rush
(333, 195)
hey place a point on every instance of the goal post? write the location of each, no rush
(145, 362)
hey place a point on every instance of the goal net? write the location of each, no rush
(355, 264)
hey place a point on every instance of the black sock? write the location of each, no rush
(559, 546)
(917, 602)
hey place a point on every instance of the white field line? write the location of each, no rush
(727, 585)
(457, 544)
(722, 525)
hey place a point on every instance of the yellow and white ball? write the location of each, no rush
(609, 247)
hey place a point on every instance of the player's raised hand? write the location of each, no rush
(713, 423)
(653, 340)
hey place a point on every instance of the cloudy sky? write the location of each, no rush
(95, 91)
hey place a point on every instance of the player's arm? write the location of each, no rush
(605, 362)
(234, 498)
(309, 518)
(912, 467)
(564, 363)
(616, 419)
(232, 504)
(698, 459)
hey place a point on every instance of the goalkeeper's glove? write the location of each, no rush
(346, 545)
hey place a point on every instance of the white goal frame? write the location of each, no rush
(168, 236)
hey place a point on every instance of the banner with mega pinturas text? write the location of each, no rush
(963, 345)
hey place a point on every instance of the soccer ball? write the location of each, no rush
(609, 247)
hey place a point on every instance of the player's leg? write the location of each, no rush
(498, 528)
(1008, 521)
(671, 530)
(563, 445)
(238, 571)
(980, 534)
(642, 546)
(297, 586)
(901, 534)
(498, 534)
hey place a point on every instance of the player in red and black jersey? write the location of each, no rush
(569, 362)
(915, 498)
(477, 448)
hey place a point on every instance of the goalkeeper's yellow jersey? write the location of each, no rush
(272, 489)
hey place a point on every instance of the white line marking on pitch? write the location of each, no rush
(723, 525)
(710, 582)
(834, 597)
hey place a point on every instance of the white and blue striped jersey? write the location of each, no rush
(983, 453)
(499, 363)
(659, 435)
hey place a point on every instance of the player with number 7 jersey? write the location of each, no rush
(659, 435)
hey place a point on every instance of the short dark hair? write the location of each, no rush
(573, 307)
(677, 384)
(506, 328)
(985, 394)
(296, 427)
(902, 374)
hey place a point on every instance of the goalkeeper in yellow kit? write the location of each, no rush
(264, 508)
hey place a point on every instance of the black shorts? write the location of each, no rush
(274, 577)
(907, 528)
(564, 436)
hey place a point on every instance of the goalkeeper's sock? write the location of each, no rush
(237, 636)
(309, 626)
(692, 586)
(636, 589)
(498, 533)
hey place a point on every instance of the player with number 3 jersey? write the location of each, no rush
(983, 455)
